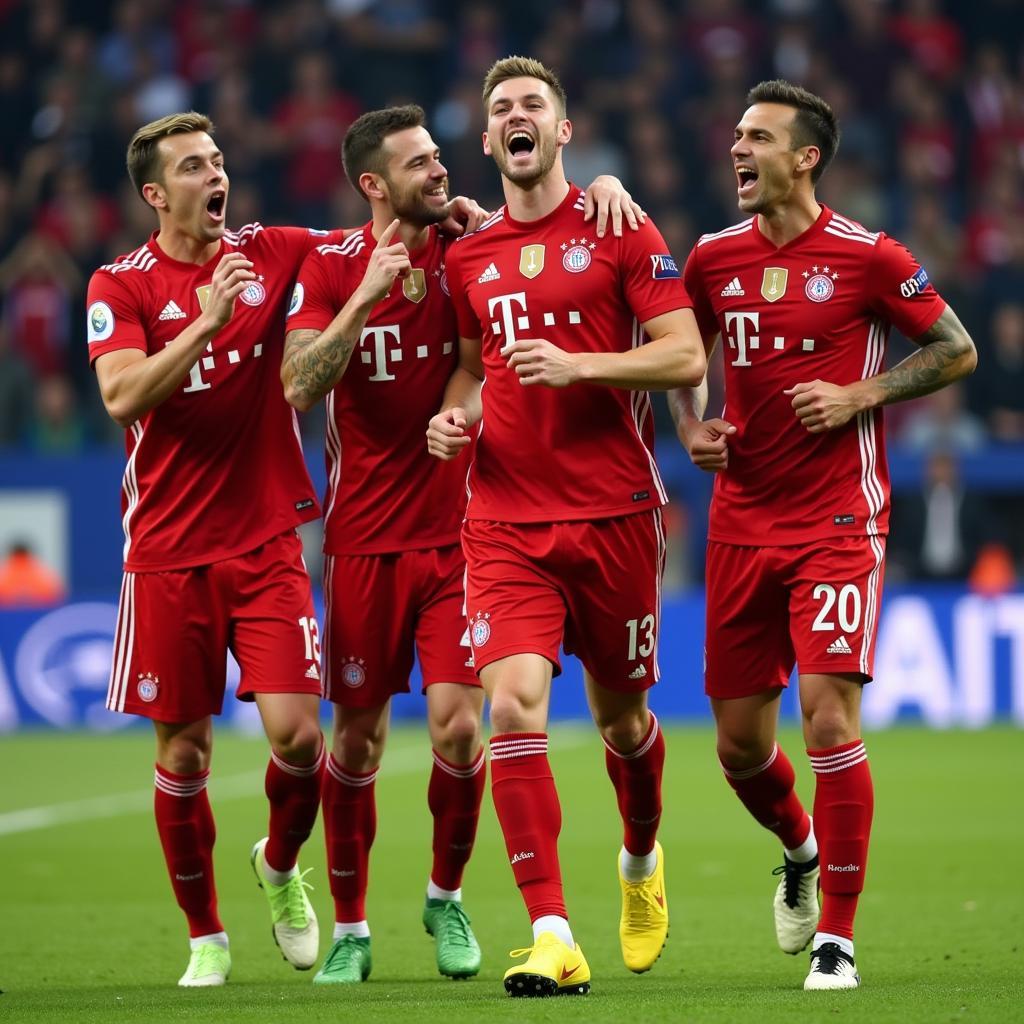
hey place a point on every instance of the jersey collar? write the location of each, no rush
(806, 236)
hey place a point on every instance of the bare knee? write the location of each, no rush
(623, 729)
(300, 742)
(457, 738)
(359, 744)
(829, 726)
(739, 750)
(185, 752)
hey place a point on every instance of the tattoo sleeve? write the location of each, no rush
(946, 354)
(314, 362)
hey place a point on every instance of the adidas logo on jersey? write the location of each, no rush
(172, 311)
(733, 288)
(312, 673)
(490, 274)
(839, 646)
(640, 672)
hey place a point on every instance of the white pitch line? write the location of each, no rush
(407, 761)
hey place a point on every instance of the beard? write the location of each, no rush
(411, 207)
(546, 151)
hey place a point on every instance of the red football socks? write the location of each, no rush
(843, 806)
(294, 794)
(187, 833)
(767, 792)
(454, 797)
(636, 777)
(528, 811)
(350, 825)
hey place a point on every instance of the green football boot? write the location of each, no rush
(209, 964)
(347, 962)
(458, 955)
(294, 925)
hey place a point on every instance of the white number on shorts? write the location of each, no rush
(312, 637)
(847, 606)
(635, 626)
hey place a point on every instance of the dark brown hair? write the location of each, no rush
(814, 123)
(523, 67)
(362, 150)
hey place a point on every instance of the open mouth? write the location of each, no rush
(215, 205)
(438, 194)
(520, 143)
(747, 178)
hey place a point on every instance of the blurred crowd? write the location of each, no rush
(930, 96)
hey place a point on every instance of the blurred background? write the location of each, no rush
(930, 97)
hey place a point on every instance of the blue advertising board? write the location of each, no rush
(945, 657)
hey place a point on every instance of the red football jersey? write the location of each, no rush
(385, 493)
(217, 468)
(583, 452)
(820, 307)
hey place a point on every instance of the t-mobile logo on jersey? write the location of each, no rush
(515, 319)
(739, 331)
(379, 345)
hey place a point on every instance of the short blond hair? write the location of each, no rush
(523, 67)
(144, 158)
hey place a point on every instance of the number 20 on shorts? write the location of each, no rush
(846, 602)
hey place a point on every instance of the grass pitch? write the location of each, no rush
(90, 932)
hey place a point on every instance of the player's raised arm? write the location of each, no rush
(314, 361)
(674, 357)
(448, 431)
(132, 383)
(946, 354)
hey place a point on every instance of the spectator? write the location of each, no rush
(26, 581)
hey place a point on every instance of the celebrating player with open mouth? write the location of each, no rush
(563, 537)
(186, 335)
(394, 569)
(804, 299)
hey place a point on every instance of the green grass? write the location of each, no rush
(89, 931)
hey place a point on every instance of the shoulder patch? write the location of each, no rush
(100, 322)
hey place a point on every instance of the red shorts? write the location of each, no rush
(594, 586)
(174, 630)
(814, 605)
(379, 610)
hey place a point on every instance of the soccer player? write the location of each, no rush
(394, 569)
(186, 334)
(804, 298)
(564, 537)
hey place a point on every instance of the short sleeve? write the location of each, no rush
(113, 320)
(693, 282)
(651, 281)
(898, 289)
(469, 323)
(319, 292)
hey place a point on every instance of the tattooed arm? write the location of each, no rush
(947, 353)
(314, 361)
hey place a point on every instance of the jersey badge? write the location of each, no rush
(531, 260)
(414, 285)
(576, 255)
(148, 687)
(773, 283)
(298, 294)
(663, 267)
(101, 322)
(255, 293)
(353, 672)
(203, 295)
(480, 628)
(442, 276)
(820, 284)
